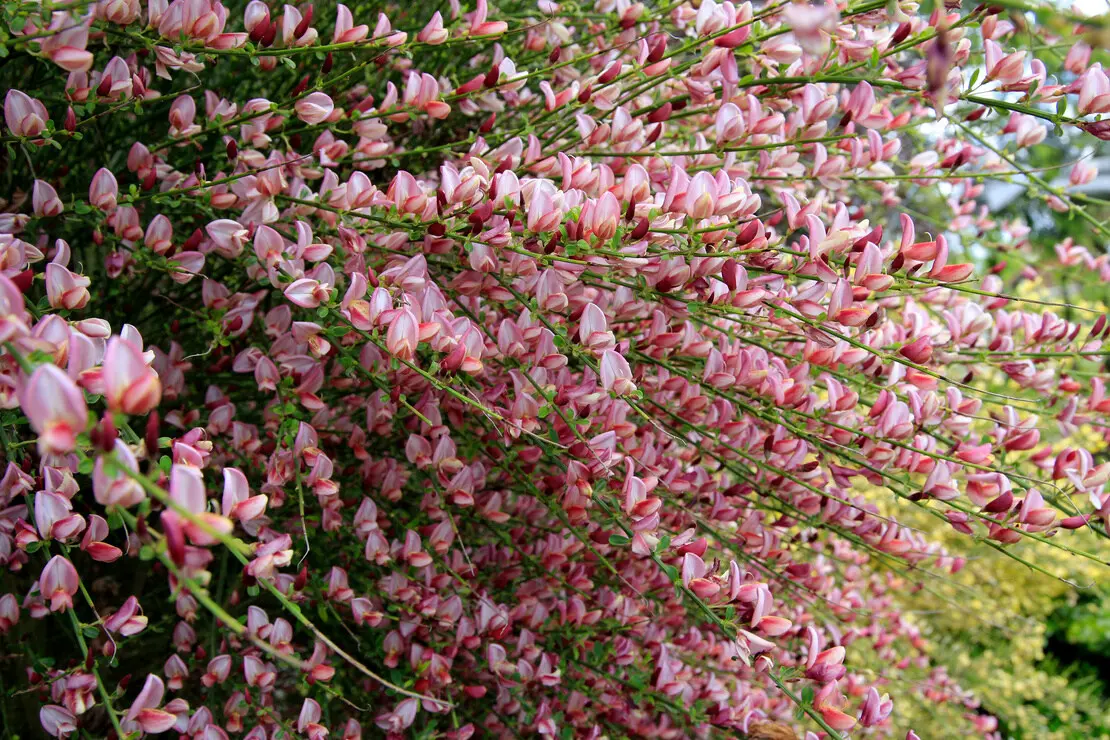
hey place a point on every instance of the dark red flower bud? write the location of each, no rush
(572, 230)
(730, 274)
(150, 435)
(301, 86)
(493, 76)
(1074, 522)
(23, 280)
(553, 57)
(732, 39)
(194, 239)
(487, 125)
(1098, 129)
(1000, 504)
(175, 538)
(483, 212)
(270, 35)
(104, 434)
(900, 34)
(306, 21)
(749, 231)
(641, 229)
(105, 86)
(260, 30)
(660, 114)
(474, 83)
(586, 94)
(329, 61)
(301, 579)
(610, 73)
(70, 123)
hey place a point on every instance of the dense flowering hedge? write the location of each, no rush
(534, 370)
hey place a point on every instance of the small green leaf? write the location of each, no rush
(90, 632)
(618, 539)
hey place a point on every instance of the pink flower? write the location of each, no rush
(128, 619)
(407, 194)
(307, 293)
(24, 115)
(479, 26)
(117, 488)
(544, 209)
(130, 385)
(145, 710)
(314, 108)
(187, 490)
(57, 721)
(65, 289)
(103, 190)
(1094, 95)
(237, 501)
(93, 541)
(56, 409)
(1006, 68)
(346, 32)
(593, 331)
(433, 32)
(812, 25)
(54, 517)
(1083, 173)
(58, 583)
(45, 200)
(403, 335)
(616, 375)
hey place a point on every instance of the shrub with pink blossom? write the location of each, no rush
(548, 369)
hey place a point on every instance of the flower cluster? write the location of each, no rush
(549, 369)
